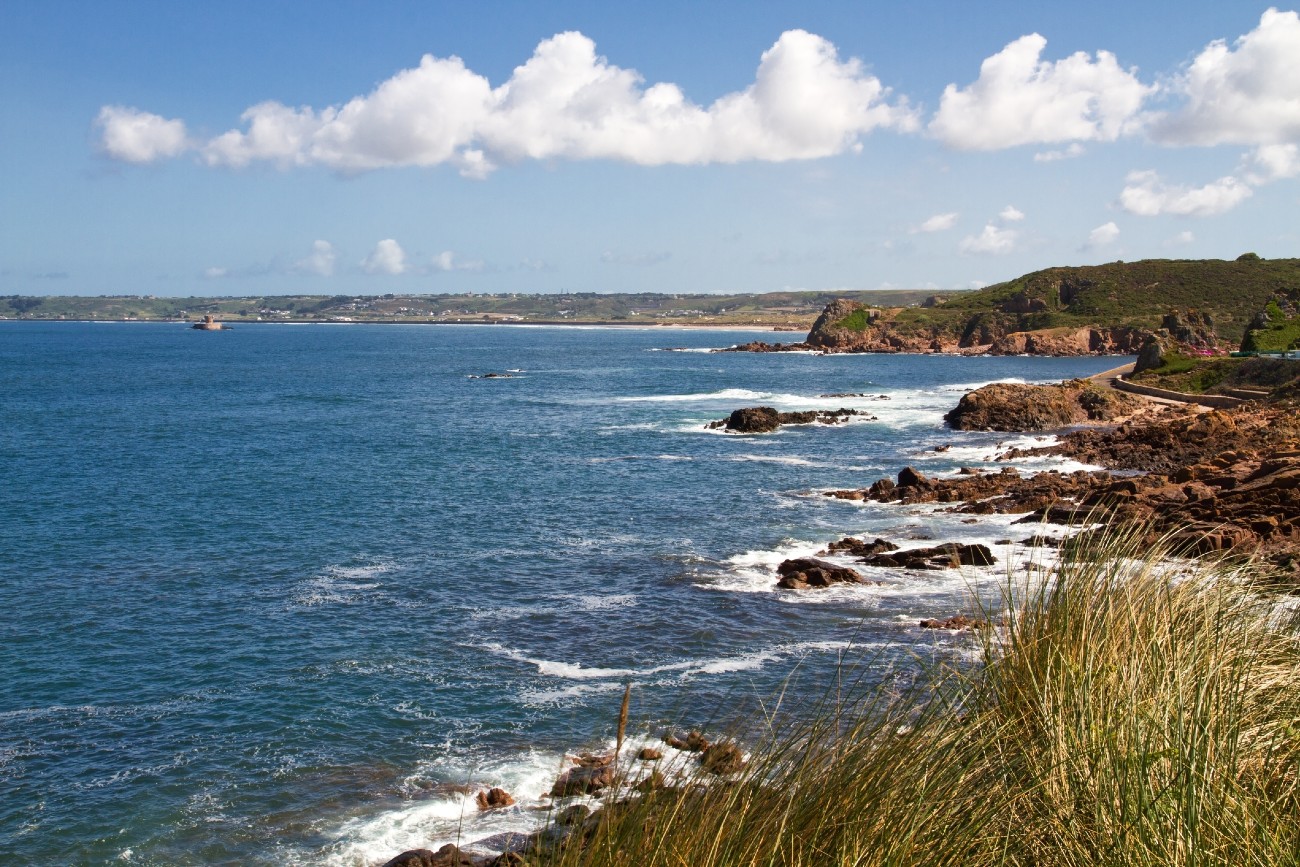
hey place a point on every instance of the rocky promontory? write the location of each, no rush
(1068, 311)
(1004, 406)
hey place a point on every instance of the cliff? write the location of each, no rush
(1092, 310)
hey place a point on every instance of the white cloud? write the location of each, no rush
(1020, 99)
(565, 102)
(1269, 163)
(1011, 214)
(993, 240)
(449, 261)
(135, 136)
(215, 273)
(938, 223)
(321, 260)
(1102, 236)
(388, 257)
(1069, 153)
(1246, 94)
(1146, 195)
(1183, 237)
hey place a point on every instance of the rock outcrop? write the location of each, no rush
(1015, 407)
(804, 572)
(765, 419)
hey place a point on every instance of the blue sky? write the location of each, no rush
(342, 148)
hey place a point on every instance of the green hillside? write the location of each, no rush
(1118, 294)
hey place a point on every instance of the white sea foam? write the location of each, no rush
(773, 459)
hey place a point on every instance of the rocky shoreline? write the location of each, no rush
(1213, 482)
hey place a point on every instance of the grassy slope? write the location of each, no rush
(1121, 293)
(1118, 719)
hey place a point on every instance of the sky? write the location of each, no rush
(287, 147)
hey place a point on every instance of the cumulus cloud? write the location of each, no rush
(1248, 93)
(388, 257)
(1184, 237)
(1011, 214)
(1269, 163)
(1102, 236)
(134, 136)
(938, 223)
(1069, 153)
(993, 240)
(1021, 99)
(321, 260)
(1146, 195)
(565, 102)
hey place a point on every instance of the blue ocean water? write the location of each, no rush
(272, 592)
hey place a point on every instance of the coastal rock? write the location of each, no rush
(583, 781)
(947, 556)
(765, 419)
(860, 547)
(694, 742)
(761, 346)
(722, 759)
(754, 419)
(575, 815)
(1014, 407)
(492, 799)
(957, 621)
(804, 572)
(447, 856)
(649, 754)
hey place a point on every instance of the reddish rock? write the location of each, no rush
(492, 799)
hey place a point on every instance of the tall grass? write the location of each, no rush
(1120, 716)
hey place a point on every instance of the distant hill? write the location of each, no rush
(791, 309)
(1072, 310)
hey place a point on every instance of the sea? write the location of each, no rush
(294, 593)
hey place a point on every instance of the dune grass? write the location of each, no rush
(1120, 716)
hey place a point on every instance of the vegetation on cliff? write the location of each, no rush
(1073, 310)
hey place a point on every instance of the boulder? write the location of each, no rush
(447, 856)
(860, 547)
(804, 572)
(694, 742)
(583, 781)
(722, 759)
(492, 799)
(754, 419)
(947, 556)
